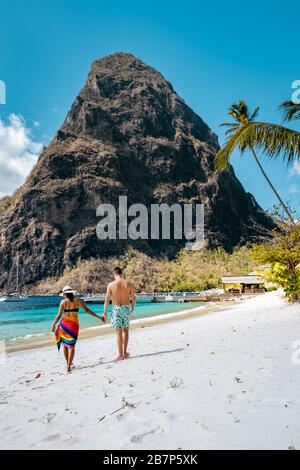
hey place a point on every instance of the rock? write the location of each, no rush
(127, 133)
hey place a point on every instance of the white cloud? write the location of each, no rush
(296, 169)
(18, 153)
(294, 189)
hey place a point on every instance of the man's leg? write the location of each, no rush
(125, 341)
(120, 343)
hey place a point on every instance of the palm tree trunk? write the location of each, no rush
(273, 188)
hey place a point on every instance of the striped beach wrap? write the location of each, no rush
(67, 332)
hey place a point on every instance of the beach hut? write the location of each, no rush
(251, 284)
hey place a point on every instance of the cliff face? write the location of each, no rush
(127, 133)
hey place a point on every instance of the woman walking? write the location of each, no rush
(67, 331)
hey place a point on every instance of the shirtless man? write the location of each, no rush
(121, 291)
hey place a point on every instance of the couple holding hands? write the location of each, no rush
(120, 291)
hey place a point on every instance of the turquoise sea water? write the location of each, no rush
(35, 316)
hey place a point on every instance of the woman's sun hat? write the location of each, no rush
(68, 290)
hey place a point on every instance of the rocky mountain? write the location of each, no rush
(127, 133)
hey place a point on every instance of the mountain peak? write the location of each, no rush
(119, 60)
(127, 134)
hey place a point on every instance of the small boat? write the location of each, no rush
(15, 297)
(94, 298)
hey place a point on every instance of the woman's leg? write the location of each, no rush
(70, 358)
(66, 353)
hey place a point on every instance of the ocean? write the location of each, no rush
(34, 317)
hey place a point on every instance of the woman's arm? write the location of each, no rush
(87, 310)
(58, 316)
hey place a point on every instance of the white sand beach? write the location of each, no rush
(225, 380)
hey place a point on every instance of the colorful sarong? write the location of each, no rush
(67, 332)
(120, 316)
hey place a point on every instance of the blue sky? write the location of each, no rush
(213, 53)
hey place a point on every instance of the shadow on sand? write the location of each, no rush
(103, 363)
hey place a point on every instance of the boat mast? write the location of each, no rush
(17, 272)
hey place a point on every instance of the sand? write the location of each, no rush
(226, 380)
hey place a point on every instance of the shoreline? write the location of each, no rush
(221, 377)
(103, 330)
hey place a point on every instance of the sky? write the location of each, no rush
(213, 53)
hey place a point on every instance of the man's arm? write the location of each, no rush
(107, 300)
(133, 298)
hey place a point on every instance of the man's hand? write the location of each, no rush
(131, 310)
(103, 318)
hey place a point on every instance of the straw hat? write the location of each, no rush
(68, 290)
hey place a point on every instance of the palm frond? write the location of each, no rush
(232, 129)
(254, 114)
(240, 112)
(272, 139)
(223, 156)
(291, 110)
(228, 124)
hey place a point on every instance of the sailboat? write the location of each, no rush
(15, 296)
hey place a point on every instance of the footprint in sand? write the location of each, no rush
(204, 427)
(139, 437)
(156, 378)
(52, 437)
(232, 396)
(174, 417)
(294, 404)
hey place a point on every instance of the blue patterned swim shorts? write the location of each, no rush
(120, 316)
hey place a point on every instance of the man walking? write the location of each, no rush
(121, 291)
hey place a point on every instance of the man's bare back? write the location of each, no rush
(121, 290)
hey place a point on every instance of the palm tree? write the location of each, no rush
(291, 110)
(245, 133)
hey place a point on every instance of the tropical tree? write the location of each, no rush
(282, 255)
(244, 133)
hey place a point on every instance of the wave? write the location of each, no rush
(22, 321)
(17, 338)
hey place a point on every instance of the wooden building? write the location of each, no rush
(243, 284)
